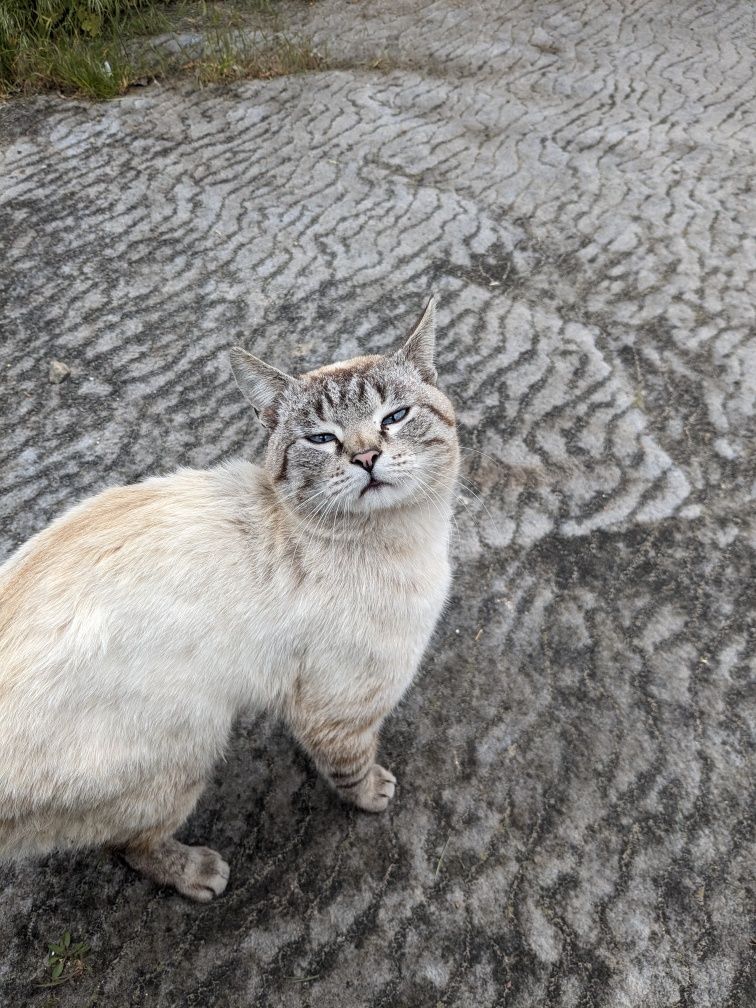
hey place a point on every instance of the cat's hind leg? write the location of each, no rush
(196, 872)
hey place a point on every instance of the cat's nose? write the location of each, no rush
(366, 459)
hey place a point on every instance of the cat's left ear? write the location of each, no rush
(260, 384)
(420, 348)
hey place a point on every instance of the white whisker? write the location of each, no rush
(478, 497)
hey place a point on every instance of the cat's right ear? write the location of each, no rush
(260, 384)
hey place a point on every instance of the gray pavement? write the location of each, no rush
(574, 819)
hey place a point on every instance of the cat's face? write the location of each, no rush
(359, 436)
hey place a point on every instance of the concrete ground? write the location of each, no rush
(574, 821)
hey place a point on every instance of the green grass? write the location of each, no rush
(101, 48)
(47, 43)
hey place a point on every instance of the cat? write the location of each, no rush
(135, 628)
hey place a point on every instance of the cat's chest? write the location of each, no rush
(391, 578)
(385, 597)
(360, 616)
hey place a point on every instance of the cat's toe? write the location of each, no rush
(205, 875)
(377, 789)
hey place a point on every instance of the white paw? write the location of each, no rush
(376, 790)
(205, 875)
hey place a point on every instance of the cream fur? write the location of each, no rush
(137, 627)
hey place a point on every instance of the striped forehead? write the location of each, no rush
(336, 396)
(347, 389)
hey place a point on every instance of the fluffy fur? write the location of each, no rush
(135, 628)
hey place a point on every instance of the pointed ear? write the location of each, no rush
(260, 384)
(420, 347)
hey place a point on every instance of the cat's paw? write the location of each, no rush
(204, 875)
(376, 790)
(197, 872)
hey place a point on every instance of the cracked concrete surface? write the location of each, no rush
(574, 821)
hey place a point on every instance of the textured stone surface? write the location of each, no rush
(574, 822)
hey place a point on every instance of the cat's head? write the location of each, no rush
(358, 436)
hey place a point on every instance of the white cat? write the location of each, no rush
(135, 628)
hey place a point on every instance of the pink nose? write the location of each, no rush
(366, 459)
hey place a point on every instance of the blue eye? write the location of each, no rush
(320, 438)
(395, 417)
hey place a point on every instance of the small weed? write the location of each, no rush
(65, 960)
(235, 56)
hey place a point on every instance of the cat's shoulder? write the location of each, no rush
(187, 487)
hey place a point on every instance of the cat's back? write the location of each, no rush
(104, 560)
(107, 640)
(162, 515)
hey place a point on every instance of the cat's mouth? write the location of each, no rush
(373, 484)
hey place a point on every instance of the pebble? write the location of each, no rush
(58, 372)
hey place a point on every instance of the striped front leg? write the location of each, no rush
(370, 787)
(344, 752)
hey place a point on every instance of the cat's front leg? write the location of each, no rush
(370, 789)
(344, 750)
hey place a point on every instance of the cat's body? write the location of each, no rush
(136, 628)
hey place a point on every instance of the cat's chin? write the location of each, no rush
(381, 496)
(375, 496)
(373, 486)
